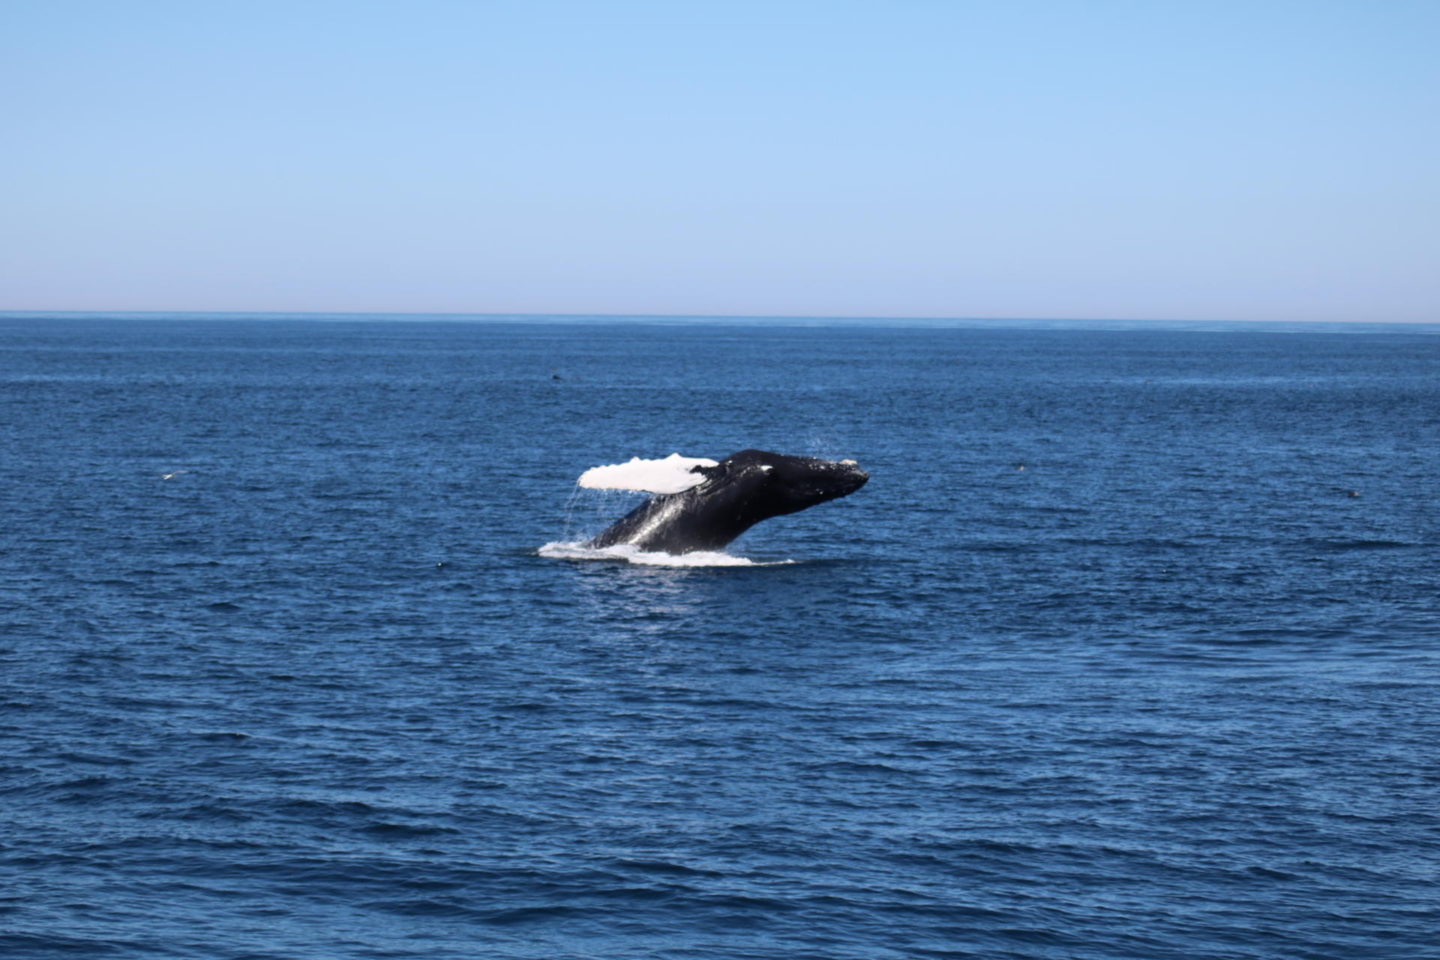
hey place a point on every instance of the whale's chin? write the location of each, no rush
(852, 481)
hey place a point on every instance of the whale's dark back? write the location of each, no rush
(745, 488)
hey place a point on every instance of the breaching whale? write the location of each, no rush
(735, 494)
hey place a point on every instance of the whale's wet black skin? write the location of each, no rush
(742, 490)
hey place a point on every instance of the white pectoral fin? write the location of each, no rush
(672, 474)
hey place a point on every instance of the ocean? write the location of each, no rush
(1130, 648)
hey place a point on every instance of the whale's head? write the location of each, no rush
(763, 484)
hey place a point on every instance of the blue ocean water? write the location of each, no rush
(1130, 648)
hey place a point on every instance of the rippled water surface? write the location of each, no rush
(1128, 649)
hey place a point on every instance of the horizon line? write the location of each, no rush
(635, 316)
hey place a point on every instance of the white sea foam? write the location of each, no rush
(628, 552)
(668, 475)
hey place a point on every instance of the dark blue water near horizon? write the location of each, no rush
(1129, 649)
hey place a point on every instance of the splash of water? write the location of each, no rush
(629, 553)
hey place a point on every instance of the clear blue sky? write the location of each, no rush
(1213, 160)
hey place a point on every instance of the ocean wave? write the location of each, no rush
(629, 553)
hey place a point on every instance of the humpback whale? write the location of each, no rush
(730, 497)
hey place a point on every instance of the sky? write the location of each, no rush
(1164, 159)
